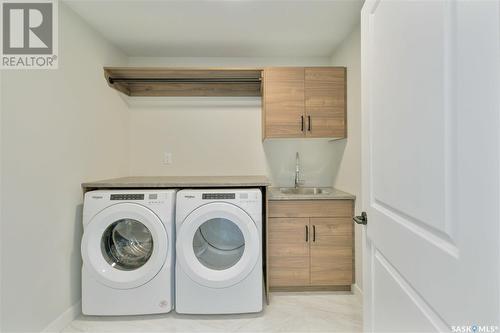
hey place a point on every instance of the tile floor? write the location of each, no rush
(288, 312)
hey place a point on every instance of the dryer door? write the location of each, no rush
(124, 246)
(218, 245)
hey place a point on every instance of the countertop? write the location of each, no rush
(178, 181)
(332, 194)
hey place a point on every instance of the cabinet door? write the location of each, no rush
(283, 103)
(325, 102)
(331, 251)
(288, 252)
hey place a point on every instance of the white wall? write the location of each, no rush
(348, 174)
(228, 61)
(205, 137)
(59, 128)
(1, 215)
(220, 136)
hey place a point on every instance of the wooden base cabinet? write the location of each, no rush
(289, 251)
(315, 251)
(331, 251)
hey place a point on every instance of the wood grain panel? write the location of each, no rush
(325, 102)
(288, 252)
(313, 288)
(283, 102)
(311, 208)
(332, 251)
(263, 111)
(181, 73)
(194, 89)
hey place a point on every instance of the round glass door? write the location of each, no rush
(127, 244)
(218, 244)
(124, 246)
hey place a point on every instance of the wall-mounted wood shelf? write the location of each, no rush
(232, 82)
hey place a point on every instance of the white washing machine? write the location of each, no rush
(128, 251)
(219, 251)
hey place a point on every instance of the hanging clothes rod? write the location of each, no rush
(185, 80)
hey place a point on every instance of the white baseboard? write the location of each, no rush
(357, 292)
(65, 318)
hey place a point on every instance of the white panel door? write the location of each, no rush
(431, 172)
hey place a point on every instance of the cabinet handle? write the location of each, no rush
(302, 123)
(314, 233)
(309, 123)
(307, 233)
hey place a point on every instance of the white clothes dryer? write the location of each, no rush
(219, 251)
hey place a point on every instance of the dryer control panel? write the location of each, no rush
(125, 196)
(216, 196)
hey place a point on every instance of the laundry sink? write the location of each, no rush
(304, 190)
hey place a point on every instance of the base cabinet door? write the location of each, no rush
(288, 252)
(331, 251)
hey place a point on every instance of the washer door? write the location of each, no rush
(124, 246)
(218, 245)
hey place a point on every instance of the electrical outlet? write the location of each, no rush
(167, 158)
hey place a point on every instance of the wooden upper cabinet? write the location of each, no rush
(325, 102)
(303, 102)
(283, 103)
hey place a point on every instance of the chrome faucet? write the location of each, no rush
(298, 181)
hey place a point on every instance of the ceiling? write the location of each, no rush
(231, 28)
